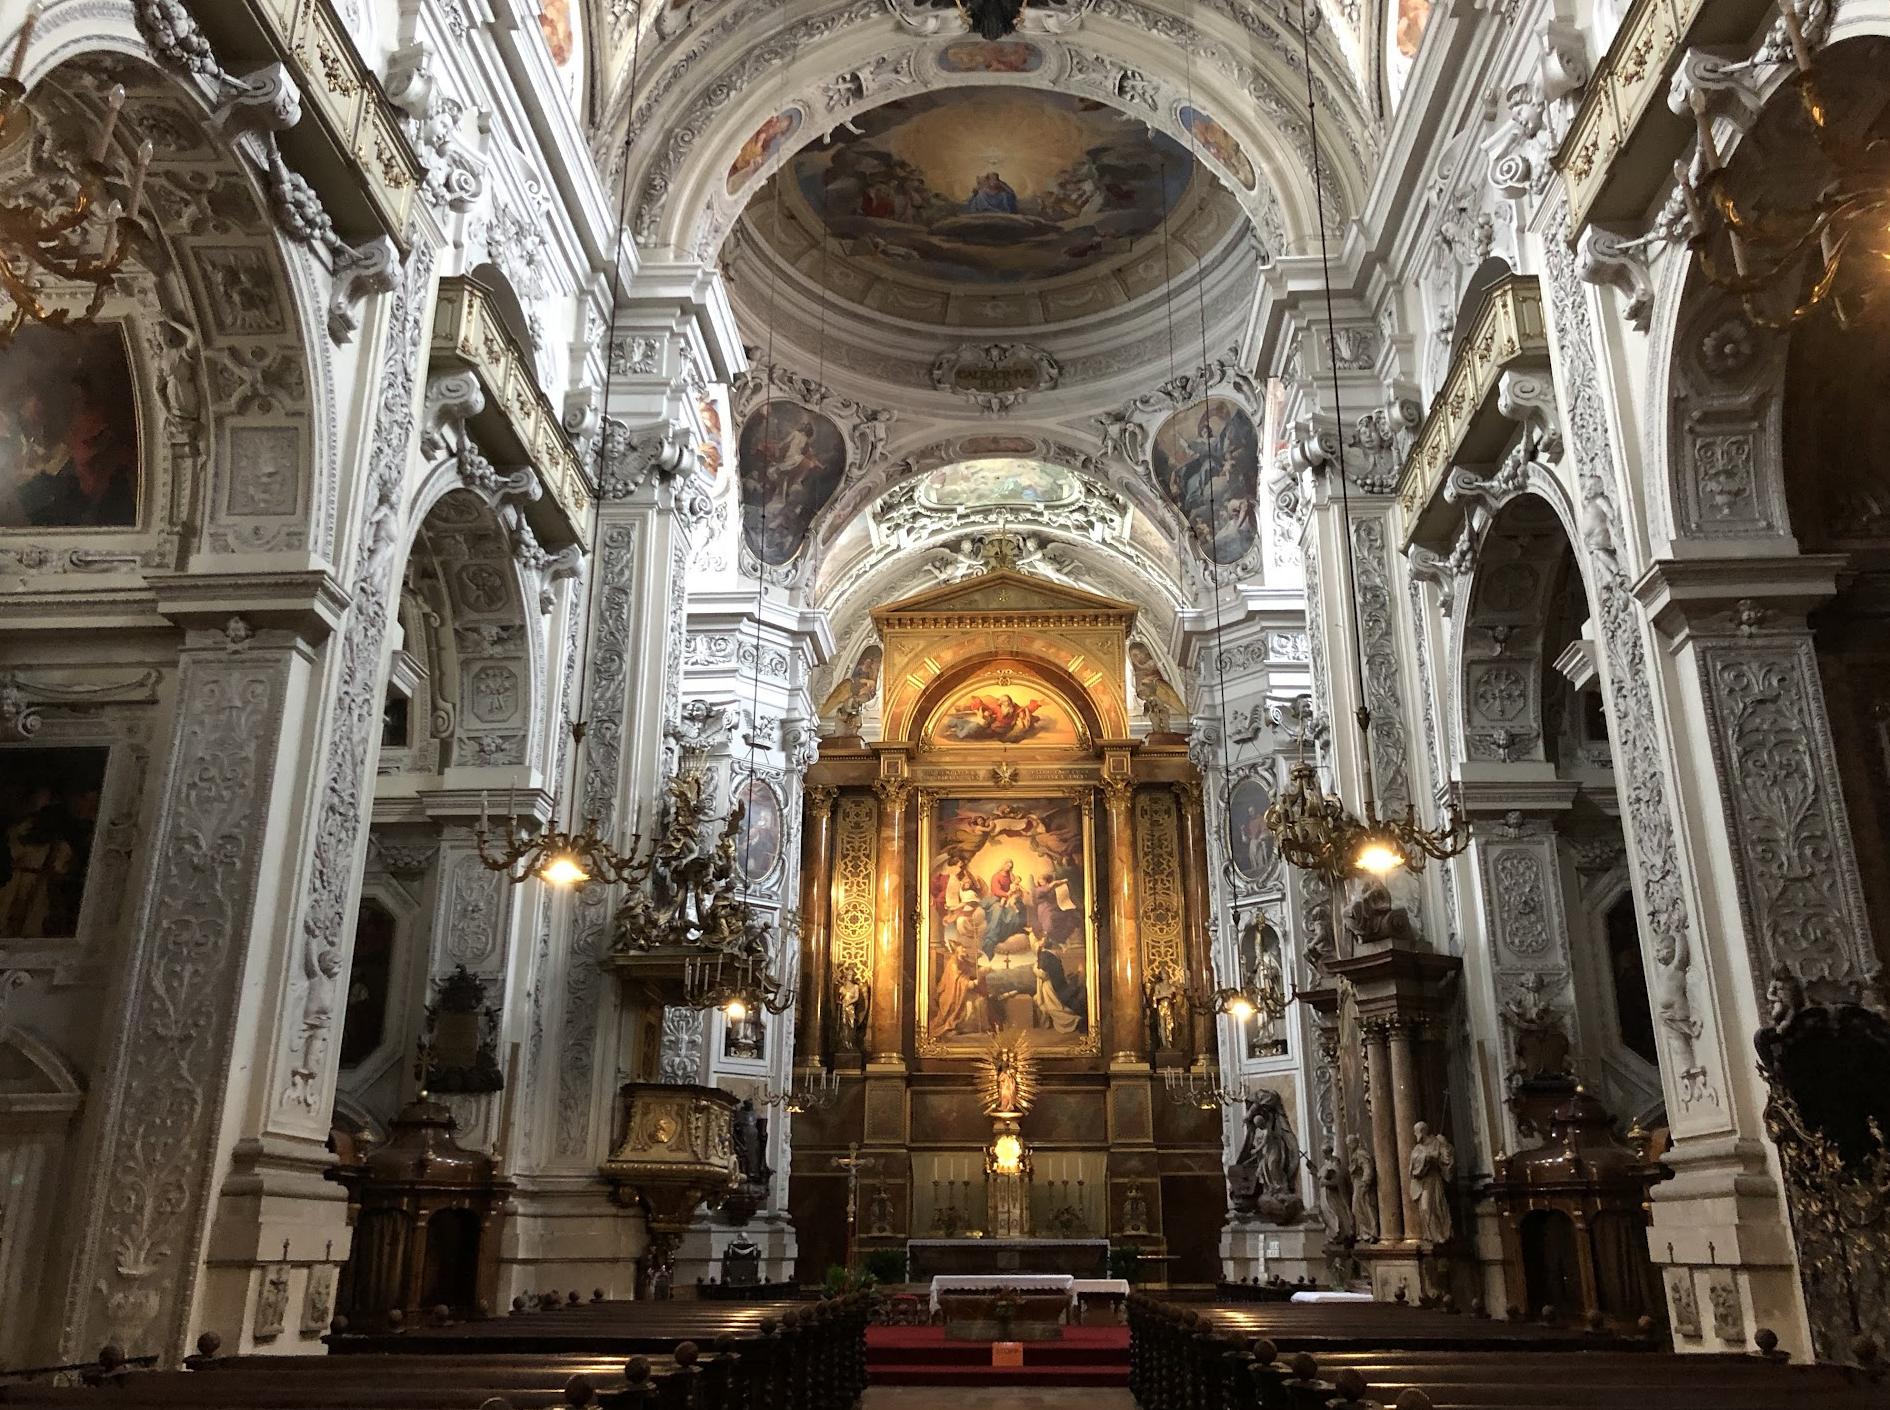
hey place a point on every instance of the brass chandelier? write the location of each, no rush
(552, 854)
(85, 238)
(1774, 245)
(1316, 830)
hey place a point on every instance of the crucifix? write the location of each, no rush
(851, 1163)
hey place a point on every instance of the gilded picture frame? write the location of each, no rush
(1057, 918)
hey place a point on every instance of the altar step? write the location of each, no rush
(922, 1356)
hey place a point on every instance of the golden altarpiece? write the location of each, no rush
(1006, 858)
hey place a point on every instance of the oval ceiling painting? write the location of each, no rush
(997, 482)
(791, 460)
(761, 146)
(761, 841)
(1206, 458)
(991, 185)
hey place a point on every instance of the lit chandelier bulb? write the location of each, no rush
(1240, 1009)
(563, 870)
(1378, 858)
(735, 1010)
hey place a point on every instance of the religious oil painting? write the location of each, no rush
(1206, 458)
(990, 56)
(762, 145)
(1413, 15)
(1250, 843)
(996, 482)
(1219, 144)
(1009, 713)
(758, 844)
(68, 430)
(48, 813)
(991, 186)
(1006, 943)
(791, 460)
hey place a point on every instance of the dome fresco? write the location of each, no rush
(996, 481)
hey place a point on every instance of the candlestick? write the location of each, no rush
(137, 177)
(1709, 150)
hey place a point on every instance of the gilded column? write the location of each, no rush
(810, 1039)
(888, 1018)
(1407, 1105)
(1194, 866)
(1384, 1135)
(1127, 1033)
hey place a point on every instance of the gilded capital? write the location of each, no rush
(893, 792)
(820, 796)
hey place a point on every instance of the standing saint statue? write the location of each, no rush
(1433, 1162)
(1364, 1190)
(1339, 1226)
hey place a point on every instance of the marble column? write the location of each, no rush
(1407, 1107)
(1127, 1032)
(889, 969)
(1378, 1075)
(810, 1038)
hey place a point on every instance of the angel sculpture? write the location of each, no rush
(1008, 1075)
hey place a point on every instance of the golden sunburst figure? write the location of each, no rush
(1008, 1074)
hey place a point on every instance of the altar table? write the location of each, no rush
(1016, 1282)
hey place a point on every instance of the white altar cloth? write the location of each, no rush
(1085, 1286)
(1331, 1297)
(1017, 1282)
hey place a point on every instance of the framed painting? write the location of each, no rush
(1011, 712)
(1005, 940)
(1261, 964)
(68, 430)
(758, 845)
(1251, 846)
(49, 801)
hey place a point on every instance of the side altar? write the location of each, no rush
(1004, 839)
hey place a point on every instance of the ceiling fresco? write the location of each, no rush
(998, 481)
(992, 186)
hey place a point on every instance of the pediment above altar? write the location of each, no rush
(1003, 590)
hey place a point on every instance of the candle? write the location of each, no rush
(137, 177)
(26, 34)
(1794, 31)
(1709, 151)
(114, 100)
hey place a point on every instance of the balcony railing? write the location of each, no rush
(1621, 148)
(1464, 424)
(354, 152)
(518, 423)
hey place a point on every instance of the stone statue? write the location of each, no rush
(879, 1212)
(1364, 1190)
(751, 1146)
(1784, 997)
(1433, 1162)
(1541, 1044)
(1264, 1178)
(849, 1009)
(1332, 1193)
(1375, 919)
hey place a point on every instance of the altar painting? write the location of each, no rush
(68, 430)
(1006, 943)
(988, 713)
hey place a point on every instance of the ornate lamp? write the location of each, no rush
(1770, 242)
(819, 1089)
(554, 855)
(85, 238)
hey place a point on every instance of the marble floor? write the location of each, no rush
(994, 1398)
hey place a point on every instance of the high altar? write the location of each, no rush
(999, 854)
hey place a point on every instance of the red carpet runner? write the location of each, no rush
(921, 1356)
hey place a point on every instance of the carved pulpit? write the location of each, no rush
(677, 1152)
